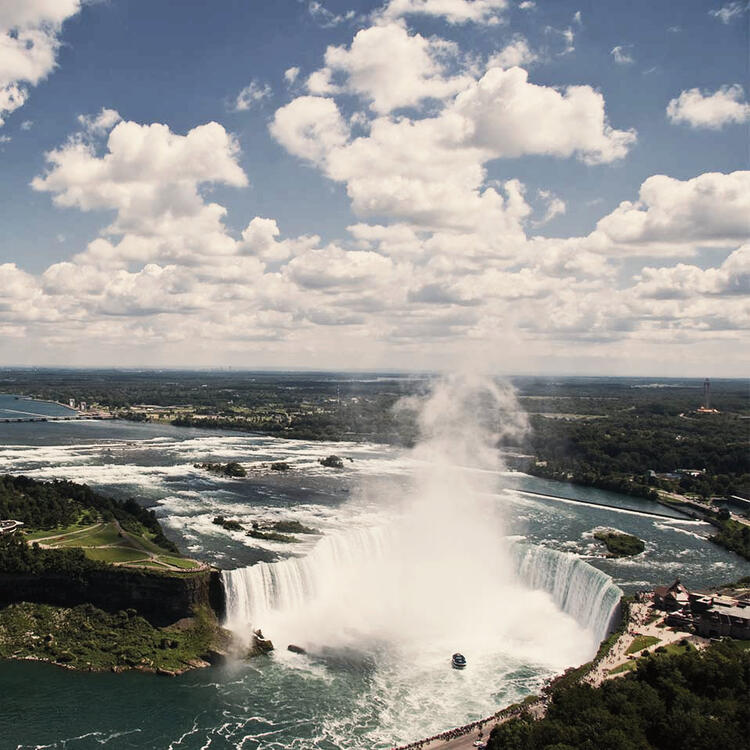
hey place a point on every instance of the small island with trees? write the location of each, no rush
(619, 544)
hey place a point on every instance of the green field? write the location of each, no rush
(641, 642)
(106, 542)
(116, 554)
(628, 666)
(180, 562)
(96, 537)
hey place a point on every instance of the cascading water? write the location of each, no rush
(436, 575)
(579, 589)
(264, 594)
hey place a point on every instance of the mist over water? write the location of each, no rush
(438, 575)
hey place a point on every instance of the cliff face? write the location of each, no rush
(161, 599)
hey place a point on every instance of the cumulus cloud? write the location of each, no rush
(250, 96)
(675, 217)
(29, 40)
(150, 177)
(516, 53)
(683, 281)
(310, 127)
(724, 106)
(512, 117)
(389, 68)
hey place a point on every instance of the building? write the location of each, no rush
(672, 597)
(9, 526)
(721, 620)
(712, 615)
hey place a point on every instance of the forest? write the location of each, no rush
(49, 505)
(690, 701)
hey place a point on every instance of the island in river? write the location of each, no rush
(92, 583)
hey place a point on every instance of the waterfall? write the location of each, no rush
(265, 592)
(579, 589)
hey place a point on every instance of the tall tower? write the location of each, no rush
(706, 394)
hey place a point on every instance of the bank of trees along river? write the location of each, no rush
(691, 701)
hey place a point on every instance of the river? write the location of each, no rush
(359, 690)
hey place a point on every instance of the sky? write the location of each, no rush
(517, 186)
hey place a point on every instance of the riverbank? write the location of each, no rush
(87, 639)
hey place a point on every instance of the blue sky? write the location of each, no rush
(406, 183)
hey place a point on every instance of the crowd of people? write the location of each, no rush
(451, 734)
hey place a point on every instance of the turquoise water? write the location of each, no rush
(375, 697)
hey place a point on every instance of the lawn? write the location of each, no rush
(97, 537)
(628, 666)
(115, 554)
(36, 536)
(180, 562)
(641, 642)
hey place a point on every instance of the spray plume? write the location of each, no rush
(438, 575)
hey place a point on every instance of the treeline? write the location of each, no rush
(49, 505)
(19, 557)
(365, 419)
(733, 536)
(616, 452)
(691, 701)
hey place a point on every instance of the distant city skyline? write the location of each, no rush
(522, 187)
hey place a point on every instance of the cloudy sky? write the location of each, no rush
(531, 186)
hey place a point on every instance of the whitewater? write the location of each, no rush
(418, 554)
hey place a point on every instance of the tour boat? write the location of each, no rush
(458, 661)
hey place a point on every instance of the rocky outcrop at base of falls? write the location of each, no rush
(259, 645)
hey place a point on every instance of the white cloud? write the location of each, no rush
(254, 93)
(389, 68)
(310, 127)
(675, 217)
(454, 11)
(527, 5)
(727, 13)
(260, 238)
(712, 111)
(150, 177)
(683, 281)
(325, 17)
(555, 206)
(29, 40)
(512, 117)
(102, 123)
(515, 53)
(621, 55)
(27, 125)
(291, 75)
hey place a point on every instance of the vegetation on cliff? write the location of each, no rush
(691, 701)
(87, 638)
(619, 544)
